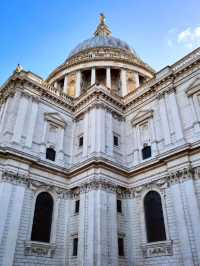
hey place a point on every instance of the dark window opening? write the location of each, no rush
(61, 84)
(41, 228)
(141, 79)
(115, 140)
(101, 76)
(155, 226)
(81, 141)
(50, 154)
(146, 152)
(86, 79)
(75, 247)
(120, 246)
(77, 206)
(119, 206)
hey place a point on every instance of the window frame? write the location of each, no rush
(54, 217)
(79, 138)
(143, 221)
(50, 147)
(73, 241)
(121, 254)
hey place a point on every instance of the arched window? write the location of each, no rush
(155, 226)
(41, 229)
(50, 154)
(146, 152)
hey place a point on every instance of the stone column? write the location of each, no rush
(4, 108)
(5, 195)
(61, 144)
(196, 105)
(98, 228)
(164, 120)
(153, 135)
(86, 132)
(32, 123)
(56, 84)
(109, 134)
(181, 225)
(108, 77)
(93, 129)
(65, 88)
(78, 83)
(135, 145)
(21, 115)
(123, 82)
(93, 76)
(13, 225)
(196, 123)
(44, 135)
(136, 78)
(176, 116)
(194, 213)
(100, 130)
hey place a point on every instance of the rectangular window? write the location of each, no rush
(120, 246)
(77, 205)
(119, 206)
(81, 141)
(116, 140)
(75, 247)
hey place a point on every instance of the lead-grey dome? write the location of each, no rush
(102, 41)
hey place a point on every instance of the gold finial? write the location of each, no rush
(102, 18)
(19, 68)
(102, 28)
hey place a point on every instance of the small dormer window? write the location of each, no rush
(50, 154)
(146, 151)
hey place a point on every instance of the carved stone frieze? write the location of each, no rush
(32, 248)
(96, 184)
(14, 178)
(157, 249)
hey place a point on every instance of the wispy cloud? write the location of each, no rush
(189, 38)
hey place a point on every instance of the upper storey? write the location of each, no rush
(102, 59)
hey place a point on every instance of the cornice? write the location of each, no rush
(101, 183)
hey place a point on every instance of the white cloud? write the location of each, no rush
(189, 37)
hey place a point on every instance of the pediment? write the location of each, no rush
(194, 87)
(55, 118)
(141, 116)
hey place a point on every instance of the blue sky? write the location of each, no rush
(39, 34)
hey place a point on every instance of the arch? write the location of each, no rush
(42, 220)
(50, 154)
(155, 226)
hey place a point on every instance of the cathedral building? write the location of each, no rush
(100, 162)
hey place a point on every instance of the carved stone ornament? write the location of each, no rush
(157, 249)
(40, 249)
(96, 184)
(14, 178)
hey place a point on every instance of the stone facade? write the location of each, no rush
(98, 134)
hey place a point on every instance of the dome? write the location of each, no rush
(101, 41)
(102, 38)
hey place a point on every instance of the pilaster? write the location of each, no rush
(21, 114)
(164, 120)
(108, 77)
(176, 115)
(124, 82)
(32, 123)
(78, 83)
(93, 76)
